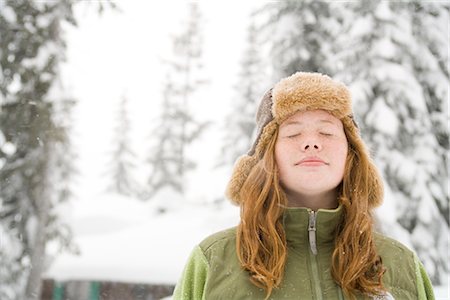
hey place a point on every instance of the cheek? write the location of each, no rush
(341, 155)
(338, 152)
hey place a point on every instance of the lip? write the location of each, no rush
(311, 161)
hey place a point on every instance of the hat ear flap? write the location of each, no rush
(241, 169)
(246, 163)
(263, 117)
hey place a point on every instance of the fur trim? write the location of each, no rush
(242, 168)
(245, 164)
(309, 91)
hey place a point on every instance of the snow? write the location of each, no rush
(7, 244)
(383, 12)
(9, 14)
(123, 239)
(442, 292)
(41, 59)
(15, 85)
(8, 148)
(406, 169)
(383, 118)
(361, 27)
(386, 48)
(43, 21)
(132, 45)
(387, 208)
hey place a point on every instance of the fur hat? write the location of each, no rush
(299, 92)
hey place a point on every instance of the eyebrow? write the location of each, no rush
(301, 123)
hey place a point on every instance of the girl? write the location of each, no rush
(306, 189)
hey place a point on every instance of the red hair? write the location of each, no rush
(261, 239)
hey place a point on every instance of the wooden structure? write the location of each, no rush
(93, 290)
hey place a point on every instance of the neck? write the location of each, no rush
(327, 200)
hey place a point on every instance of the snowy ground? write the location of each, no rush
(122, 239)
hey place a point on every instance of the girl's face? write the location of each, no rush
(310, 152)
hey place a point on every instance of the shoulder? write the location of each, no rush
(390, 245)
(218, 238)
(393, 253)
(220, 242)
(400, 267)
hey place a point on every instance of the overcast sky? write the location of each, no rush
(120, 53)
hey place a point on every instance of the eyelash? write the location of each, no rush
(326, 133)
(297, 134)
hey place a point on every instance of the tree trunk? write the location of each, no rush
(38, 245)
(34, 282)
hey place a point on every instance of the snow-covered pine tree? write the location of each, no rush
(178, 127)
(64, 156)
(301, 36)
(252, 80)
(165, 159)
(393, 55)
(122, 162)
(394, 61)
(430, 26)
(31, 48)
(62, 164)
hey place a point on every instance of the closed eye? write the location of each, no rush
(326, 133)
(293, 135)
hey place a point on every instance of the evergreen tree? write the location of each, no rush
(31, 48)
(240, 123)
(301, 35)
(177, 126)
(122, 160)
(429, 22)
(63, 160)
(63, 171)
(166, 158)
(430, 26)
(396, 72)
(393, 55)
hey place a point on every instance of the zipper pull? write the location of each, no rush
(312, 232)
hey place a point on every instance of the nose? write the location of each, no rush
(311, 144)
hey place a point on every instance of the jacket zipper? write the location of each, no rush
(313, 254)
(312, 232)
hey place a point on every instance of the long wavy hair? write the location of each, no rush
(261, 239)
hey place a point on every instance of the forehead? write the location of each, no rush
(311, 116)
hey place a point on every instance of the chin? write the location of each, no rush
(311, 190)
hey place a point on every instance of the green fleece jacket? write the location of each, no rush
(213, 270)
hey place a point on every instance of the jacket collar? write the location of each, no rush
(296, 221)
